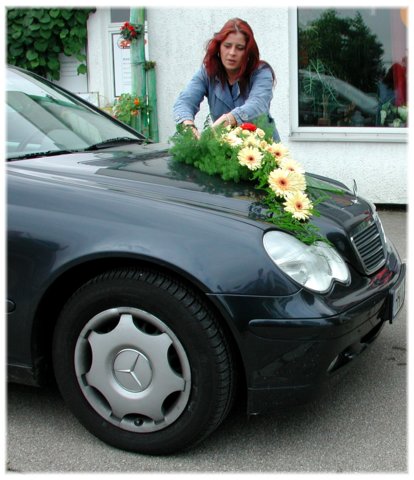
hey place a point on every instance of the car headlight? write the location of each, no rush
(313, 266)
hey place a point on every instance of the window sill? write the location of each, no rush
(338, 134)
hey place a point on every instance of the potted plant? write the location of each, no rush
(315, 84)
(393, 116)
(126, 107)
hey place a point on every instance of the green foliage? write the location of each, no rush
(208, 154)
(315, 85)
(212, 155)
(149, 65)
(128, 106)
(36, 37)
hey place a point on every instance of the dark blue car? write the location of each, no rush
(157, 296)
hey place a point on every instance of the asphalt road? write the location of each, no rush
(359, 426)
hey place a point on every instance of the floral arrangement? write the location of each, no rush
(125, 107)
(130, 31)
(248, 153)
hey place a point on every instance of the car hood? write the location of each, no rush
(149, 170)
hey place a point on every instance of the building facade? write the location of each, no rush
(351, 126)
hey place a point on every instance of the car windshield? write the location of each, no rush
(42, 119)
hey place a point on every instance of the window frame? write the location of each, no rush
(326, 134)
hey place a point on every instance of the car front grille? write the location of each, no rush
(368, 242)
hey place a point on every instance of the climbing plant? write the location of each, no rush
(37, 36)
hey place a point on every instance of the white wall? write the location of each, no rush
(98, 53)
(177, 39)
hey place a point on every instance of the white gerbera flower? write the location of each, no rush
(263, 145)
(232, 139)
(260, 133)
(283, 182)
(250, 157)
(251, 141)
(299, 205)
(288, 163)
(278, 150)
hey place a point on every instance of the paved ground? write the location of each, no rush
(360, 426)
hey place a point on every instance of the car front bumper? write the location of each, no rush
(290, 360)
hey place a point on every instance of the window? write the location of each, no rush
(352, 67)
(120, 15)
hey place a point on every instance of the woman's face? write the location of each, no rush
(232, 50)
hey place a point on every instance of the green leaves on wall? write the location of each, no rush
(36, 37)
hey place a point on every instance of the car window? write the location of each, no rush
(41, 118)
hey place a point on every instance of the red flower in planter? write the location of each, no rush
(130, 31)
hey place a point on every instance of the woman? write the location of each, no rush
(237, 84)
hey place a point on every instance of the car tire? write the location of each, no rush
(142, 362)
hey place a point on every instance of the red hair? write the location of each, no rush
(251, 59)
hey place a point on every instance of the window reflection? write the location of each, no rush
(352, 67)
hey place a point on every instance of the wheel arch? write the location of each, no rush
(63, 287)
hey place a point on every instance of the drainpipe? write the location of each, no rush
(138, 84)
(152, 101)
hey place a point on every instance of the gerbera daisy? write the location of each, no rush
(232, 139)
(278, 150)
(248, 126)
(283, 182)
(260, 133)
(251, 141)
(289, 164)
(299, 205)
(250, 157)
(263, 145)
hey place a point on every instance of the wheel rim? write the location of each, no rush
(132, 369)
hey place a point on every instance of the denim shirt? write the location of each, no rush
(222, 100)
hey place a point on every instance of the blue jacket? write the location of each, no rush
(222, 100)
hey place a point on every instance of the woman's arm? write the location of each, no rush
(259, 98)
(188, 102)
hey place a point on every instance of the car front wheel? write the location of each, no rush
(142, 362)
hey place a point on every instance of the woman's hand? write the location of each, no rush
(225, 120)
(194, 129)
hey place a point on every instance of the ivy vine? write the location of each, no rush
(37, 36)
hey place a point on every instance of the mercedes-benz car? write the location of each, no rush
(157, 296)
